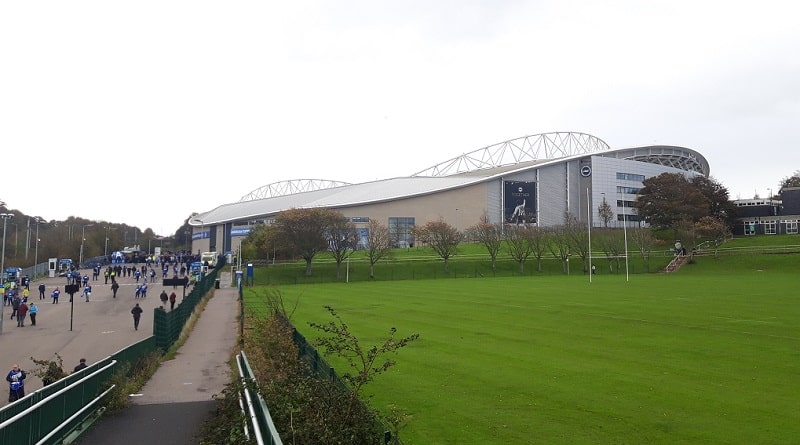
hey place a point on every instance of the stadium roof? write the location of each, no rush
(407, 187)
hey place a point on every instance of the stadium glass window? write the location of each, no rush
(770, 228)
(628, 190)
(359, 219)
(626, 204)
(791, 227)
(400, 231)
(749, 228)
(629, 177)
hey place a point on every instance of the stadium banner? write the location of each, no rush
(519, 206)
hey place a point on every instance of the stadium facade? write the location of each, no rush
(535, 179)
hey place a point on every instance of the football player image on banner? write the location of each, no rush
(520, 202)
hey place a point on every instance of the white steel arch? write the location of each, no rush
(527, 148)
(291, 187)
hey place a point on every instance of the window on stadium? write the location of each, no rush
(629, 177)
(400, 231)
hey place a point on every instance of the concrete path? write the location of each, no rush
(173, 405)
(177, 399)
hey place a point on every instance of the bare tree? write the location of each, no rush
(606, 214)
(578, 236)
(612, 243)
(379, 244)
(558, 244)
(342, 239)
(442, 237)
(488, 234)
(520, 246)
(644, 241)
(539, 242)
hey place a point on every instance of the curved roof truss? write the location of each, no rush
(528, 148)
(291, 187)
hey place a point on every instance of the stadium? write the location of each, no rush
(534, 179)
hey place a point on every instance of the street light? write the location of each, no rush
(38, 220)
(105, 252)
(83, 239)
(6, 217)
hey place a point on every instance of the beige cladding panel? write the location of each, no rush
(460, 208)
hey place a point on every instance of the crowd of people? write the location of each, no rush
(16, 295)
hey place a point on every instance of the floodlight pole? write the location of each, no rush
(625, 232)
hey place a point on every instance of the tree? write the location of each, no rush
(442, 237)
(303, 230)
(539, 242)
(668, 198)
(518, 241)
(791, 181)
(578, 236)
(342, 238)
(644, 241)
(606, 214)
(612, 244)
(713, 228)
(720, 205)
(488, 234)
(558, 244)
(379, 244)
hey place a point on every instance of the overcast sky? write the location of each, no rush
(145, 112)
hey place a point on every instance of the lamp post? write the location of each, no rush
(83, 239)
(105, 251)
(589, 224)
(6, 217)
(38, 220)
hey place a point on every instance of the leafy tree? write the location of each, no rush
(606, 214)
(50, 371)
(488, 234)
(442, 237)
(720, 205)
(304, 231)
(669, 198)
(379, 244)
(518, 241)
(791, 181)
(342, 238)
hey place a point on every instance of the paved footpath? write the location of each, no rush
(172, 406)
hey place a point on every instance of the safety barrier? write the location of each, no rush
(48, 415)
(254, 407)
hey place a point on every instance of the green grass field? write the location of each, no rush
(709, 355)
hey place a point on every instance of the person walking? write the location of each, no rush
(163, 296)
(15, 302)
(16, 383)
(55, 295)
(137, 314)
(114, 289)
(79, 366)
(22, 312)
(41, 291)
(172, 299)
(87, 291)
(33, 310)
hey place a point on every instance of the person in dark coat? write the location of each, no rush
(16, 383)
(137, 314)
